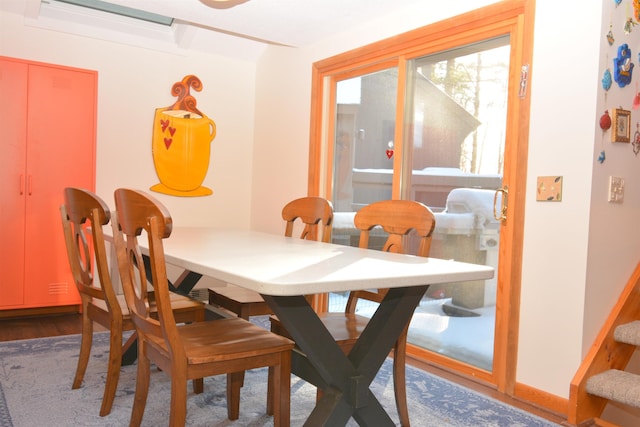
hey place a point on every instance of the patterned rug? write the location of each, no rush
(36, 376)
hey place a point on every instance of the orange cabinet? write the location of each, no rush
(48, 134)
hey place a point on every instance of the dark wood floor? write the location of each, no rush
(67, 324)
(40, 326)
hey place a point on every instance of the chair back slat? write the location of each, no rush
(83, 215)
(311, 211)
(398, 218)
(138, 212)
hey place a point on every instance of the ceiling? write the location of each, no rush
(246, 28)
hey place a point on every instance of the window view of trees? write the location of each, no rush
(477, 82)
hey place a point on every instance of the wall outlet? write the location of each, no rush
(616, 189)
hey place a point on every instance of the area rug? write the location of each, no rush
(36, 376)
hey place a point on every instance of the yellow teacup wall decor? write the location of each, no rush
(181, 144)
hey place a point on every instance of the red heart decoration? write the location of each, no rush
(167, 142)
(389, 154)
(172, 131)
(164, 124)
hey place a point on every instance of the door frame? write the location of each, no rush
(512, 17)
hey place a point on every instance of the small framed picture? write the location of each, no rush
(621, 131)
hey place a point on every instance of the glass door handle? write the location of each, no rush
(502, 215)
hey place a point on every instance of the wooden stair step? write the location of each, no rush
(628, 333)
(615, 385)
(598, 422)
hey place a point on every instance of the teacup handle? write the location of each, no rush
(212, 129)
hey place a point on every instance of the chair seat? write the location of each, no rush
(226, 339)
(243, 302)
(185, 309)
(345, 328)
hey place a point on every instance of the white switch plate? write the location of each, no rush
(616, 189)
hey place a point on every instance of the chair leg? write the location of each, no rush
(85, 350)
(282, 391)
(113, 370)
(142, 387)
(178, 415)
(399, 379)
(234, 383)
(198, 385)
(270, 390)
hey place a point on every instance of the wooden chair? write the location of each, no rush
(311, 211)
(83, 215)
(195, 350)
(397, 218)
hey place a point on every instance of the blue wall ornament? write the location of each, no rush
(622, 66)
(606, 80)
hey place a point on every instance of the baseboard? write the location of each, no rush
(39, 311)
(542, 399)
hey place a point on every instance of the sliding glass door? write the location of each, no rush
(452, 160)
(438, 115)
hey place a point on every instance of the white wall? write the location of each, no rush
(614, 235)
(561, 140)
(132, 83)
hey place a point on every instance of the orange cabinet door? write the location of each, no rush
(60, 153)
(13, 110)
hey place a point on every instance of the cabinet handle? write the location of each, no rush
(21, 184)
(30, 185)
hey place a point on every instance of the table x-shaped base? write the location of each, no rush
(345, 379)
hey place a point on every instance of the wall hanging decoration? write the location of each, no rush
(605, 121)
(181, 143)
(605, 124)
(636, 140)
(606, 79)
(610, 39)
(602, 157)
(636, 9)
(622, 66)
(628, 26)
(389, 151)
(621, 125)
(636, 99)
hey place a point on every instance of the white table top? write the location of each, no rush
(276, 265)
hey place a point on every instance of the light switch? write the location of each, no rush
(549, 189)
(616, 189)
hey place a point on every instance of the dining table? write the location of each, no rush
(286, 270)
